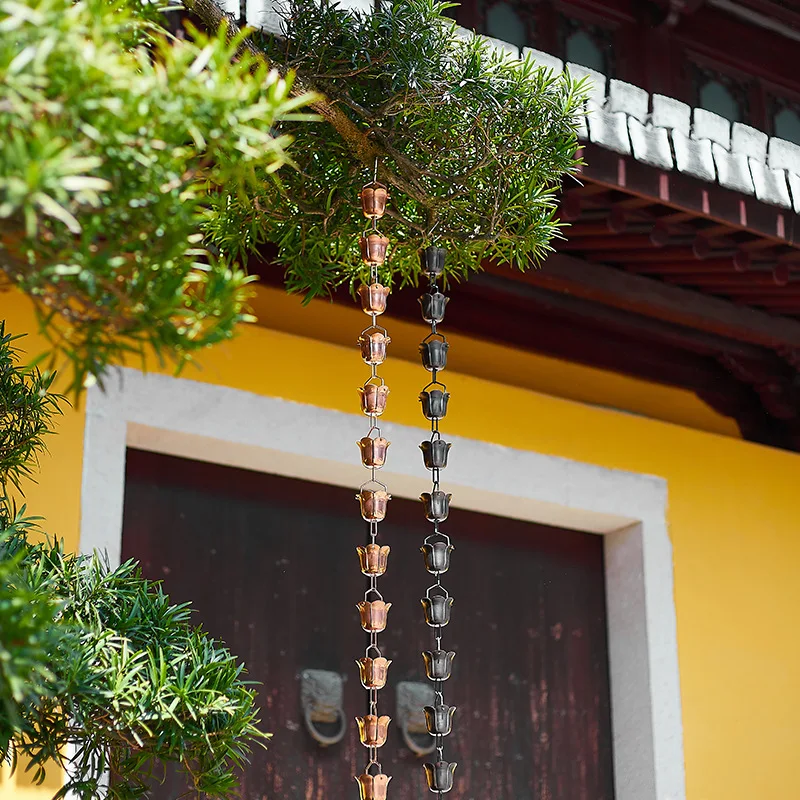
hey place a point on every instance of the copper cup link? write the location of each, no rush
(373, 730)
(374, 559)
(373, 297)
(373, 504)
(373, 615)
(373, 398)
(373, 200)
(373, 248)
(373, 451)
(373, 787)
(373, 672)
(373, 346)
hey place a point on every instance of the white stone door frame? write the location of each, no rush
(236, 428)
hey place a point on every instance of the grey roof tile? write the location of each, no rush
(543, 59)
(750, 142)
(794, 188)
(693, 156)
(650, 144)
(707, 125)
(770, 184)
(672, 114)
(784, 155)
(609, 130)
(502, 47)
(628, 98)
(733, 171)
(597, 86)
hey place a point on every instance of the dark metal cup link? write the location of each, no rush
(431, 260)
(439, 719)
(437, 557)
(437, 505)
(437, 610)
(434, 403)
(434, 453)
(434, 354)
(440, 775)
(433, 306)
(438, 664)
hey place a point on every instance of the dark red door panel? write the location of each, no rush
(270, 565)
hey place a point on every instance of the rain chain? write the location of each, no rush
(437, 548)
(373, 497)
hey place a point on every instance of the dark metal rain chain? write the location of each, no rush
(373, 496)
(437, 548)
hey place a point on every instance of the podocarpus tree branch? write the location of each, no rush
(360, 144)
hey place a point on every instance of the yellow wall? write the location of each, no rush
(734, 515)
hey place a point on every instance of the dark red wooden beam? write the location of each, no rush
(706, 265)
(683, 193)
(752, 281)
(651, 298)
(651, 256)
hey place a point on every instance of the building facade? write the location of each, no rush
(624, 429)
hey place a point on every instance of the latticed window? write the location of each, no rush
(786, 119)
(511, 22)
(586, 44)
(720, 93)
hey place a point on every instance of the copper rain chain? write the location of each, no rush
(373, 497)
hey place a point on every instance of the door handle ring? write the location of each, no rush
(318, 735)
(322, 696)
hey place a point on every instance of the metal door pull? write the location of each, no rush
(321, 696)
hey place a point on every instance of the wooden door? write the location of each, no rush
(269, 563)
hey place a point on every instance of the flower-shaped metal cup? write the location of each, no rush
(373, 671)
(373, 346)
(373, 504)
(373, 297)
(434, 453)
(434, 354)
(374, 559)
(433, 306)
(373, 398)
(373, 249)
(439, 719)
(434, 403)
(438, 664)
(440, 775)
(431, 260)
(437, 505)
(373, 615)
(373, 451)
(437, 556)
(373, 200)
(372, 730)
(372, 787)
(437, 609)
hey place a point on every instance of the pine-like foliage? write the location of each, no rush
(473, 145)
(112, 137)
(98, 659)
